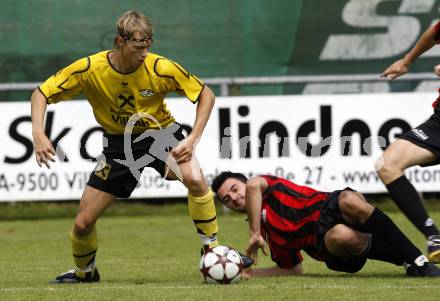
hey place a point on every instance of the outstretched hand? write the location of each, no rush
(256, 242)
(395, 70)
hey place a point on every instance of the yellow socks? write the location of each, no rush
(202, 211)
(84, 251)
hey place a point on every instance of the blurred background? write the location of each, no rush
(228, 39)
(280, 69)
(238, 47)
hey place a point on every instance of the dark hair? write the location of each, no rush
(223, 176)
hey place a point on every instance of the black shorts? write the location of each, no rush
(427, 136)
(330, 217)
(124, 158)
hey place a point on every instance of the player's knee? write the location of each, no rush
(340, 234)
(379, 164)
(386, 167)
(337, 239)
(354, 206)
(342, 237)
(348, 201)
(83, 225)
(357, 243)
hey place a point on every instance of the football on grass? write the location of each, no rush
(221, 265)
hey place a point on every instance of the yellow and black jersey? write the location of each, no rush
(116, 96)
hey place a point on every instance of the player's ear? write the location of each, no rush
(118, 42)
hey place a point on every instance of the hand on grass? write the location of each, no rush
(256, 242)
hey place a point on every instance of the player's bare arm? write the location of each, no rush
(255, 188)
(400, 67)
(184, 151)
(44, 151)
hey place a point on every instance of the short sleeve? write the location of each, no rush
(187, 84)
(66, 83)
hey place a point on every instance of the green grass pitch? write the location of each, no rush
(155, 257)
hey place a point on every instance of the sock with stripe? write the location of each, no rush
(202, 212)
(84, 251)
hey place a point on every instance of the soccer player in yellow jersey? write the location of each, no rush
(126, 89)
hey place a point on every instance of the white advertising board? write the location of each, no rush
(264, 134)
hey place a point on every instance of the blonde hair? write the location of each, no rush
(131, 22)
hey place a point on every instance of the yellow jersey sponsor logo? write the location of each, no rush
(146, 92)
(125, 100)
(122, 117)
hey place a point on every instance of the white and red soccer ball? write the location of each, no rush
(221, 265)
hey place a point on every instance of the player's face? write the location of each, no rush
(232, 194)
(136, 49)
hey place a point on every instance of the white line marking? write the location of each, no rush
(61, 287)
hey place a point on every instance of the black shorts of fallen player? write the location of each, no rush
(330, 217)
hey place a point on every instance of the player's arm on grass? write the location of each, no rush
(272, 271)
(44, 151)
(428, 39)
(255, 188)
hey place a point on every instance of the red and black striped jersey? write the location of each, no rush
(288, 220)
